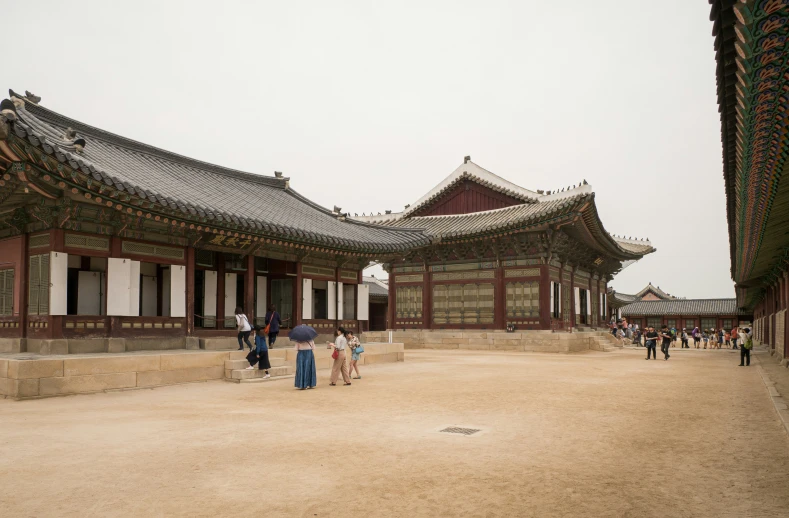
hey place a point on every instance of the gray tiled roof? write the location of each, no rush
(376, 289)
(481, 222)
(688, 307)
(263, 204)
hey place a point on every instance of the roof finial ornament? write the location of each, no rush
(337, 209)
(278, 174)
(33, 98)
(388, 211)
(407, 205)
(467, 159)
(8, 109)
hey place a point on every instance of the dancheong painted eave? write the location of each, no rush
(194, 191)
(752, 82)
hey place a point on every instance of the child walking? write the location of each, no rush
(260, 355)
(356, 351)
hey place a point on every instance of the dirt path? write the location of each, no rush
(598, 434)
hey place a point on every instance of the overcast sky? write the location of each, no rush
(368, 105)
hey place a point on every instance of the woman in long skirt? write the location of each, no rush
(306, 375)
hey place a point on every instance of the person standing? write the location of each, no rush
(696, 337)
(244, 329)
(727, 339)
(705, 338)
(745, 350)
(651, 338)
(306, 374)
(735, 335)
(720, 338)
(356, 351)
(665, 334)
(684, 338)
(261, 353)
(273, 321)
(339, 345)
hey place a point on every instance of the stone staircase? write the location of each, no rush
(236, 369)
(603, 341)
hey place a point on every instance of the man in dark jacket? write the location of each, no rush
(665, 334)
(651, 341)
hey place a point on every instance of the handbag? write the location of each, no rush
(335, 354)
(252, 357)
(359, 349)
(267, 329)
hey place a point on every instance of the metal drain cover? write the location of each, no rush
(461, 431)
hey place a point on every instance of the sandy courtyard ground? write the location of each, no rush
(596, 434)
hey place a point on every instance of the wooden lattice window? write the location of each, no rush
(708, 323)
(523, 299)
(408, 300)
(38, 294)
(7, 292)
(463, 303)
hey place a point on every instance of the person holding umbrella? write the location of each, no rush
(306, 374)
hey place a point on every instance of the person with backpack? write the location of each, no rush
(745, 350)
(684, 338)
(273, 322)
(356, 351)
(244, 329)
(696, 337)
(260, 355)
(734, 337)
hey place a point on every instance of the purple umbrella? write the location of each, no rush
(302, 333)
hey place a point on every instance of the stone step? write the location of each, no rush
(244, 374)
(272, 354)
(262, 380)
(243, 364)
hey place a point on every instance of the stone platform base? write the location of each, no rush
(26, 376)
(528, 341)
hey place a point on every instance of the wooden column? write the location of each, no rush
(23, 286)
(500, 300)
(427, 300)
(249, 289)
(298, 296)
(220, 291)
(190, 291)
(573, 323)
(336, 301)
(390, 309)
(545, 297)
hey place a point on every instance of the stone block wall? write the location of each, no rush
(528, 341)
(37, 376)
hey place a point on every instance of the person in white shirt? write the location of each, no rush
(339, 345)
(244, 329)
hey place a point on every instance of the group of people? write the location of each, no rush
(714, 339)
(306, 375)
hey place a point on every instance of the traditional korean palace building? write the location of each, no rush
(616, 300)
(753, 76)
(107, 244)
(500, 254)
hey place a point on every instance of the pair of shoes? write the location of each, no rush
(240, 348)
(310, 387)
(357, 378)
(347, 384)
(250, 368)
(332, 384)
(741, 365)
(267, 375)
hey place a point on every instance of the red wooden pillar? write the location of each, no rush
(500, 300)
(573, 323)
(298, 297)
(545, 297)
(190, 291)
(220, 291)
(23, 286)
(249, 289)
(427, 300)
(390, 309)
